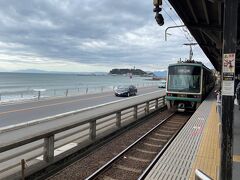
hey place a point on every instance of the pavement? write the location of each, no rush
(191, 148)
(12, 114)
(236, 143)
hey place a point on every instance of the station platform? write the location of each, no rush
(236, 142)
(197, 146)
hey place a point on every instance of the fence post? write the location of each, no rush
(48, 149)
(147, 107)
(156, 104)
(92, 130)
(39, 95)
(23, 167)
(135, 112)
(118, 119)
(66, 92)
(86, 90)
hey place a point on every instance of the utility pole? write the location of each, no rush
(190, 52)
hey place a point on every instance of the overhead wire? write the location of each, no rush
(201, 53)
(185, 31)
(189, 38)
(174, 12)
(177, 25)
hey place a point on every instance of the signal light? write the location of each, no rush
(159, 19)
(157, 9)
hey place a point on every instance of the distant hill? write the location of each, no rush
(31, 71)
(128, 71)
(160, 73)
(60, 72)
(92, 74)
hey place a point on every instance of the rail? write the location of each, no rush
(27, 155)
(104, 167)
(156, 159)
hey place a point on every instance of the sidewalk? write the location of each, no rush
(236, 143)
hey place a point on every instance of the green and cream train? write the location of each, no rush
(188, 83)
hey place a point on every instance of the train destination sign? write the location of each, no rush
(184, 70)
(228, 74)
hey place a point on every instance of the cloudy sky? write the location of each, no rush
(89, 35)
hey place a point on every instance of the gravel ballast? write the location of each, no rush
(86, 166)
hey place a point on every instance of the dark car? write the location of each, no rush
(125, 90)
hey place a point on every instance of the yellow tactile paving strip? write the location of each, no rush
(208, 154)
(236, 158)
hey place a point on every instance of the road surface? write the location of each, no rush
(22, 112)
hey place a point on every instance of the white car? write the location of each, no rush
(162, 84)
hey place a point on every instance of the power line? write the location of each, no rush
(190, 38)
(183, 36)
(170, 17)
(202, 54)
(174, 12)
(177, 25)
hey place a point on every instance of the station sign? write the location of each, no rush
(228, 74)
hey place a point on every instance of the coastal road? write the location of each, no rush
(22, 112)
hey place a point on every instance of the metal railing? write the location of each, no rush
(25, 156)
(61, 92)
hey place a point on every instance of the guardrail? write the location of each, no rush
(25, 156)
(61, 92)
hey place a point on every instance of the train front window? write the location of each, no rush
(184, 79)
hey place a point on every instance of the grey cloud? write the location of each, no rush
(85, 31)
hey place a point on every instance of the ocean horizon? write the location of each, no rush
(15, 85)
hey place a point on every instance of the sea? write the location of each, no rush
(19, 86)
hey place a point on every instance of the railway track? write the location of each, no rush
(136, 160)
